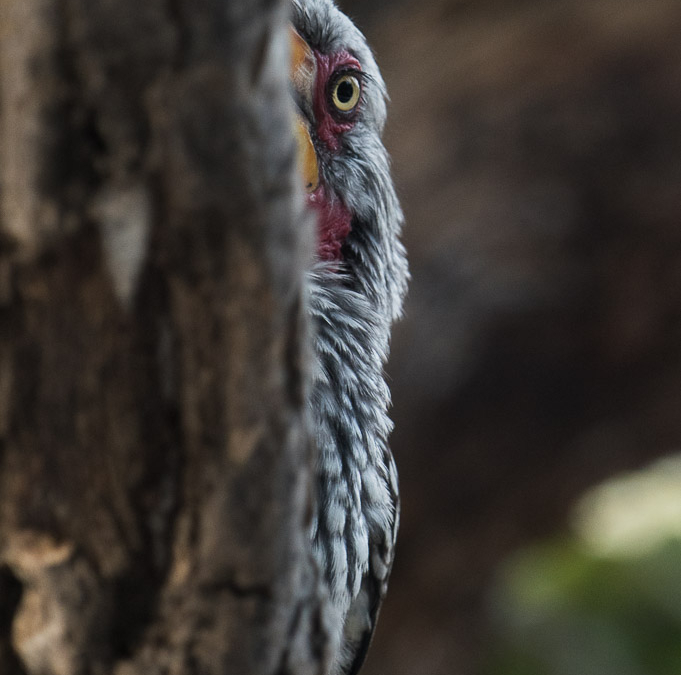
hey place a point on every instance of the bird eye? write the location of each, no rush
(345, 93)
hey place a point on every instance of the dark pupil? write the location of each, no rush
(345, 91)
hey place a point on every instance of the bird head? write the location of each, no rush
(340, 104)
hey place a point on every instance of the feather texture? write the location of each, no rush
(353, 305)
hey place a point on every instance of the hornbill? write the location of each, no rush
(356, 289)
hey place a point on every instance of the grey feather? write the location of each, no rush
(357, 514)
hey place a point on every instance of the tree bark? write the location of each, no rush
(154, 463)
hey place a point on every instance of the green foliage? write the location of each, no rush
(561, 609)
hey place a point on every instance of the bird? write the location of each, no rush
(356, 288)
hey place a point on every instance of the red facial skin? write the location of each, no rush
(334, 223)
(335, 220)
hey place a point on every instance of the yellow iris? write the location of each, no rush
(346, 92)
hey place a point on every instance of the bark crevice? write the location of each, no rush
(154, 466)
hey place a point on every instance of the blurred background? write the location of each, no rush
(537, 152)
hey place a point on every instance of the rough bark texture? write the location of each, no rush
(154, 468)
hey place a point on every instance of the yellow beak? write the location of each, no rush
(303, 73)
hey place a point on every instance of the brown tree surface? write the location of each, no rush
(154, 466)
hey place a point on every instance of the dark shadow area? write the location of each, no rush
(10, 592)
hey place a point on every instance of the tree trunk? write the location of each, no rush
(154, 463)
